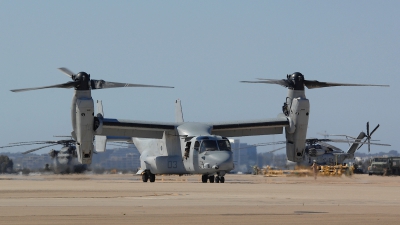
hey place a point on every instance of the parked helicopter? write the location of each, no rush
(327, 154)
(185, 147)
(64, 160)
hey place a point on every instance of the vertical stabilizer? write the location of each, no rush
(100, 143)
(178, 111)
(355, 145)
(100, 108)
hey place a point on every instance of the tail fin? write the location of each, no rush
(100, 108)
(178, 112)
(357, 142)
(100, 143)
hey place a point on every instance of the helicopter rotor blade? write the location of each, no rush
(69, 84)
(310, 84)
(374, 129)
(368, 138)
(101, 84)
(272, 151)
(67, 72)
(283, 82)
(35, 149)
(23, 144)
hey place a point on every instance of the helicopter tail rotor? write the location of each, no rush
(368, 137)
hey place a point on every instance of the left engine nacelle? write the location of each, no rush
(84, 129)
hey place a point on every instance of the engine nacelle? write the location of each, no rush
(84, 117)
(296, 140)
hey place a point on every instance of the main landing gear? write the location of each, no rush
(147, 175)
(212, 179)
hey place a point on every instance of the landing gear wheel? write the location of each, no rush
(204, 178)
(145, 177)
(152, 177)
(216, 179)
(211, 178)
(222, 179)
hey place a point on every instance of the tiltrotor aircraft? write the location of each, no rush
(64, 160)
(296, 109)
(185, 147)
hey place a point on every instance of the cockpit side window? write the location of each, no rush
(208, 145)
(187, 149)
(196, 145)
(224, 145)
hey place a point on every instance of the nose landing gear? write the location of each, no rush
(219, 179)
(212, 179)
(147, 175)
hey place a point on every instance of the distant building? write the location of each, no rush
(119, 158)
(244, 156)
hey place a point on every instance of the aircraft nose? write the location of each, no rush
(222, 160)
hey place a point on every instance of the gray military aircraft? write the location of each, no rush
(64, 160)
(185, 147)
(296, 109)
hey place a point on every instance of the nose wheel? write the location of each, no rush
(212, 179)
(219, 179)
(148, 176)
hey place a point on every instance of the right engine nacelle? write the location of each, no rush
(296, 140)
(84, 117)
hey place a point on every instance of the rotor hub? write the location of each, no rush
(297, 81)
(83, 80)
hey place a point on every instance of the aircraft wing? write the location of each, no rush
(132, 128)
(251, 127)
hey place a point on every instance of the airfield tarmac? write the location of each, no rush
(243, 199)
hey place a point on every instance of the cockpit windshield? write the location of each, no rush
(208, 145)
(213, 145)
(224, 145)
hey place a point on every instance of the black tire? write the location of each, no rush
(222, 179)
(204, 178)
(152, 177)
(211, 179)
(145, 177)
(216, 179)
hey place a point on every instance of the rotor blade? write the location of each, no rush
(276, 149)
(374, 130)
(66, 71)
(63, 136)
(23, 144)
(270, 143)
(362, 143)
(282, 82)
(27, 142)
(330, 146)
(310, 84)
(70, 84)
(101, 84)
(372, 143)
(35, 149)
(368, 138)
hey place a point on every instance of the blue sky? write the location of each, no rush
(203, 48)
